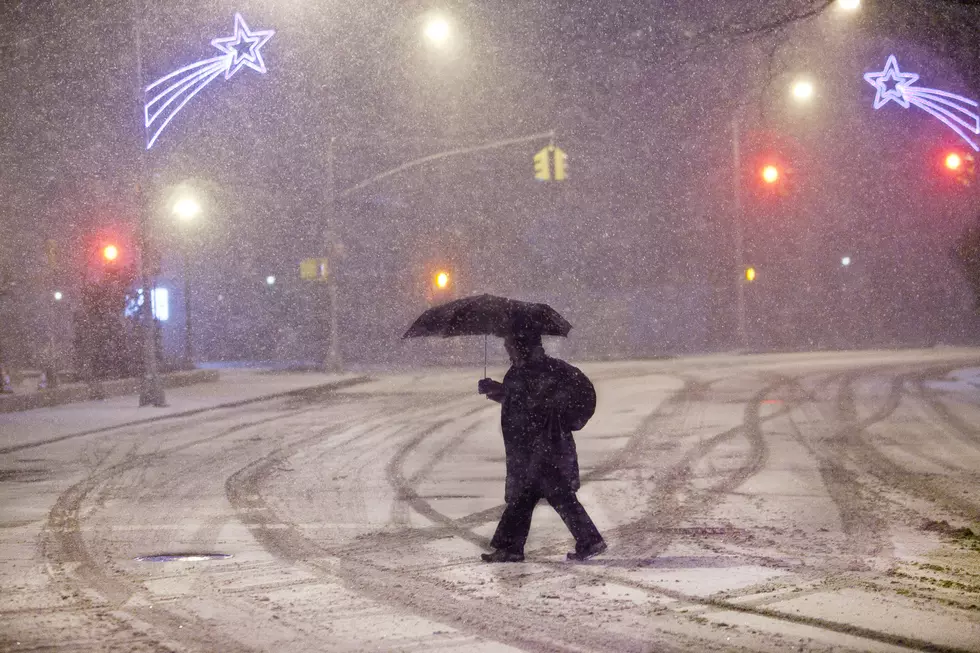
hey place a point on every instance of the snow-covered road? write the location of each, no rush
(768, 503)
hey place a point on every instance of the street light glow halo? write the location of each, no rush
(849, 5)
(187, 208)
(803, 90)
(437, 30)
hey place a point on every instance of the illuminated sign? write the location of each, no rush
(175, 90)
(159, 304)
(955, 111)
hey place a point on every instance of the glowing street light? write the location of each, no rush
(110, 253)
(849, 5)
(270, 280)
(437, 31)
(845, 261)
(802, 90)
(186, 209)
(442, 280)
(58, 296)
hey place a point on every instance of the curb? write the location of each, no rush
(313, 389)
(76, 392)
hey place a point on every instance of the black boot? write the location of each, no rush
(591, 551)
(502, 555)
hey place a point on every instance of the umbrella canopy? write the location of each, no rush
(483, 315)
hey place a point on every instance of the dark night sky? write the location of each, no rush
(641, 95)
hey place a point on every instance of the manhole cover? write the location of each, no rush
(183, 557)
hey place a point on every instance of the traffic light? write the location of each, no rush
(954, 161)
(551, 164)
(770, 174)
(542, 165)
(442, 280)
(750, 274)
(959, 166)
(561, 163)
(110, 253)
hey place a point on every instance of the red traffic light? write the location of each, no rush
(110, 253)
(770, 174)
(959, 166)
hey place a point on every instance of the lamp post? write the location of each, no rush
(186, 210)
(151, 386)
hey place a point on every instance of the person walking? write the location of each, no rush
(543, 399)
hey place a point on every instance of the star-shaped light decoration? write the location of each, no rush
(174, 91)
(244, 47)
(955, 111)
(887, 93)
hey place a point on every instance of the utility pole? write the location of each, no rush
(151, 387)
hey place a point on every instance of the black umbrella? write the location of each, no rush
(486, 315)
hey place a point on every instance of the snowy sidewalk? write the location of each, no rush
(234, 387)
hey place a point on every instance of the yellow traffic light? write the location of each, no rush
(750, 274)
(561, 163)
(542, 165)
(110, 253)
(442, 280)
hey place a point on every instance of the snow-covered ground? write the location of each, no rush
(759, 503)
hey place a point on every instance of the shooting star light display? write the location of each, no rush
(955, 111)
(241, 49)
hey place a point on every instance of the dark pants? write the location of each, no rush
(515, 523)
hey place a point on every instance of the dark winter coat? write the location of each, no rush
(544, 400)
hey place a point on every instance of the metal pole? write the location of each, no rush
(443, 155)
(737, 219)
(188, 340)
(151, 387)
(333, 362)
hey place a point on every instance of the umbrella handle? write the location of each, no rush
(485, 354)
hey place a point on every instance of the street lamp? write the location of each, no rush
(437, 31)
(849, 5)
(270, 280)
(802, 90)
(58, 296)
(186, 210)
